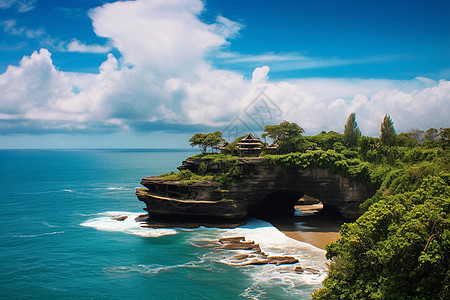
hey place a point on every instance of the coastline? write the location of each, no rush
(306, 226)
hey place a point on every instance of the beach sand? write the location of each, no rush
(306, 225)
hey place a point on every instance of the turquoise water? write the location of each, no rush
(58, 239)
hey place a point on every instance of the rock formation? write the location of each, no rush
(264, 189)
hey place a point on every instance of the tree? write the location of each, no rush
(351, 131)
(431, 134)
(431, 137)
(285, 130)
(203, 141)
(444, 137)
(405, 140)
(388, 135)
(417, 135)
(213, 139)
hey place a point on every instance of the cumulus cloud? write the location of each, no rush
(163, 36)
(260, 74)
(163, 80)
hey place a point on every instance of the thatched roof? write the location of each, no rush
(249, 139)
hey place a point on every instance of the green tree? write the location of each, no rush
(214, 139)
(417, 135)
(388, 135)
(398, 249)
(431, 134)
(405, 140)
(444, 137)
(205, 140)
(351, 131)
(285, 130)
(431, 137)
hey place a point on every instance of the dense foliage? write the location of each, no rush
(400, 247)
(387, 135)
(284, 131)
(351, 131)
(230, 170)
(205, 140)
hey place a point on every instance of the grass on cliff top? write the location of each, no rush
(216, 157)
(187, 177)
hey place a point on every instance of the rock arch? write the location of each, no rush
(264, 189)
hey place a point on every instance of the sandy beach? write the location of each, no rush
(306, 226)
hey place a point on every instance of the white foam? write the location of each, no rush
(274, 243)
(115, 188)
(49, 225)
(36, 235)
(154, 269)
(106, 222)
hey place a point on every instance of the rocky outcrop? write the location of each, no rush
(256, 257)
(264, 189)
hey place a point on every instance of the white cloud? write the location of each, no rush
(260, 74)
(20, 5)
(295, 61)
(164, 78)
(163, 36)
(77, 46)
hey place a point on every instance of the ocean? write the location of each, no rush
(58, 238)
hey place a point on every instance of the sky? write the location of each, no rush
(151, 73)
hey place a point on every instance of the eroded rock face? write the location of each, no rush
(264, 189)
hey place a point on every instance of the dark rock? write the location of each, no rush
(301, 270)
(307, 200)
(142, 218)
(123, 218)
(241, 246)
(264, 190)
(241, 256)
(227, 240)
(274, 260)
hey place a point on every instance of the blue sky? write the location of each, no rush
(150, 73)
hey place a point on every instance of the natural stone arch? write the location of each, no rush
(264, 189)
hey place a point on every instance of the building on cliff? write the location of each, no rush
(249, 145)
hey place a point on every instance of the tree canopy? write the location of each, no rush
(285, 130)
(351, 131)
(205, 140)
(388, 135)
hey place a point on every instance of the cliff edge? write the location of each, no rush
(262, 189)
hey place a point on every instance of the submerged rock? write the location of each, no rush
(301, 270)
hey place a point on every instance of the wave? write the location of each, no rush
(115, 188)
(48, 225)
(153, 269)
(273, 242)
(36, 235)
(106, 222)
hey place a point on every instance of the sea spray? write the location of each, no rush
(264, 280)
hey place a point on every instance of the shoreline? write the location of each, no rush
(309, 227)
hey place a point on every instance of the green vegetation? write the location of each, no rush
(205, 140)
(387, 135)
(400, 247)
(284, 131)
(230, 169)
(351, 131)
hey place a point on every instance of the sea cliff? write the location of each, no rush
(261, 188)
